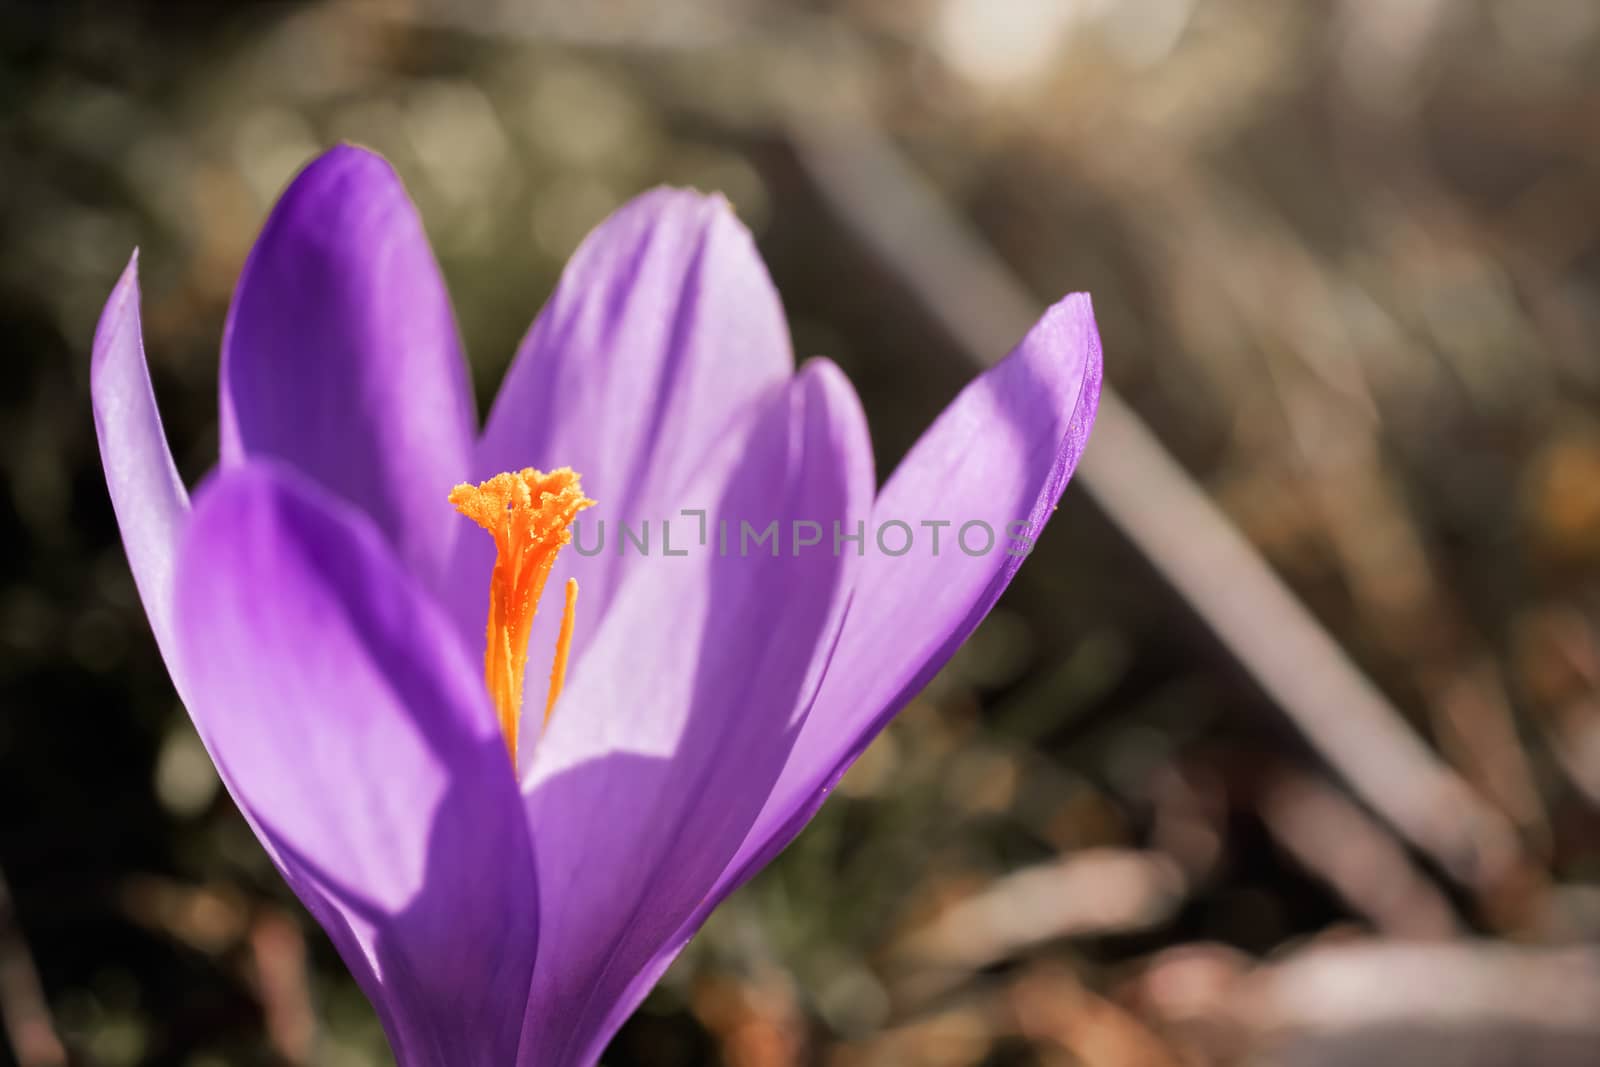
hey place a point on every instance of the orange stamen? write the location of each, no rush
(558, 670)
(528, 514)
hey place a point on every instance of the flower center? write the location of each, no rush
(528, 513)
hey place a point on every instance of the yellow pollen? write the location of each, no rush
(528, 514)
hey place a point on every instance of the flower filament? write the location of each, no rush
(528, 513)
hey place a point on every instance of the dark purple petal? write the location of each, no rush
(664, 328)
(1002, 452)
(341, 357)
(151, 504)
(681, 714)
(357, 739)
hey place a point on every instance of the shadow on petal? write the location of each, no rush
(423, 978)
(694, 693)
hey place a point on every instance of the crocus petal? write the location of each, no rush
(680, 716)
(1003, 451)
(663, 329)
(148, 496)
(356, 738)
(341, 357)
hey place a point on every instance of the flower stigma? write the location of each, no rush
(528, 513)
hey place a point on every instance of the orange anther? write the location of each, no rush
(528, 514)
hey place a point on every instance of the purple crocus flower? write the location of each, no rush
(321, 606)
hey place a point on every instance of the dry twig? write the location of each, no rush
(1159, 508)
(1092, 892)
(23, 1006)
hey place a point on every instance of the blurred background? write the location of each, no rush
(1161, 810)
